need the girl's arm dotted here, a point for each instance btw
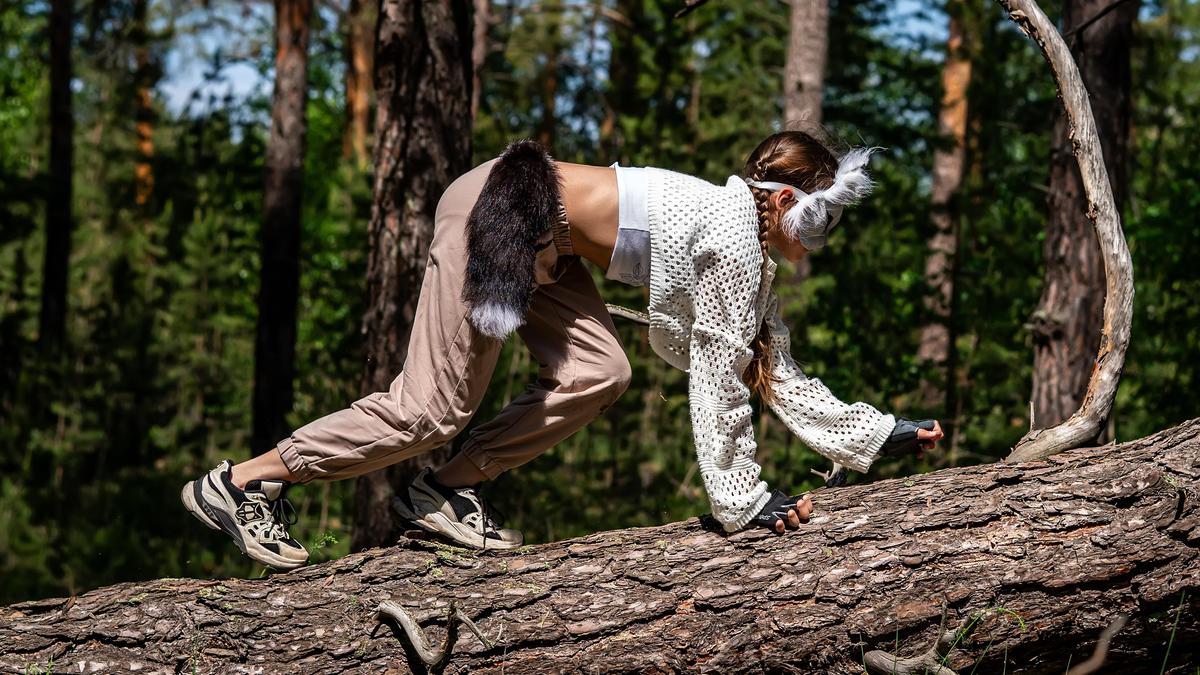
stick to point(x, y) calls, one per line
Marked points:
point(850, 435)
point(719, 401)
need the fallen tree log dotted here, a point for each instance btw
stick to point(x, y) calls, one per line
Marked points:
point(1037, 559)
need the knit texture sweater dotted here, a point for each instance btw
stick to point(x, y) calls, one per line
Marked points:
point(710, 288)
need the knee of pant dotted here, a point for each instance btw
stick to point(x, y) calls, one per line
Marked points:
point(611, 378)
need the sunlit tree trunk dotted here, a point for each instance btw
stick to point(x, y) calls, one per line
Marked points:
point(143, 171)
point(360, 55)
point(807, 50)
point(59, 223)
point(479, 51)
point(278, 297)
point(936, 348)
point(1067, 322)
point(549, 85)
point(423, 73)
point(804, 75)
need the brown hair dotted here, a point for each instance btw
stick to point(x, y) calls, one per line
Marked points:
point(796, 158)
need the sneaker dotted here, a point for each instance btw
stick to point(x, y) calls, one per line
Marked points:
point(459, 514)
point(255, 517)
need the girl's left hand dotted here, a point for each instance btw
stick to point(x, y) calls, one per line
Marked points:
point(928, 438)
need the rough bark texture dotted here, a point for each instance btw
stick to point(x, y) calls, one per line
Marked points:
point(804, 78)
point(279, 290)
point(807, 51)
point(1054, 549)
point(1068, 319)
point(1086, 422)
point(360, 56)
point(59, 222)
point(479, 51)
point(937, 340)
point(422, 143)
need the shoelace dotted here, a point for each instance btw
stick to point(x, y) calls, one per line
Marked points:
point(283, 513)
point(491, 516)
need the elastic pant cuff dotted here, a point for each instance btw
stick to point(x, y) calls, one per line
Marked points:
point(296, 464)
point(486, 464)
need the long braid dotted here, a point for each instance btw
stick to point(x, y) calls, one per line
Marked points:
point(758, 377)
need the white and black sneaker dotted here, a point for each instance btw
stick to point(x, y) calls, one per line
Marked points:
point(256, 518)
point(459, 514)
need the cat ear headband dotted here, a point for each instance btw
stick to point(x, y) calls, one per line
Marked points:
point(815, 214)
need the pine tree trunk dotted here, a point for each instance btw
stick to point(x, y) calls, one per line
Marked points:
point(360, 54)
point(936, 347)
point(804, 78)
point(807, 52)
point(1067, 322)
point(59, 221)
point(423, 142)
point(278, 296)
point(549, 85)
point(479, 51)
point(1046, 554)
point(143, 170)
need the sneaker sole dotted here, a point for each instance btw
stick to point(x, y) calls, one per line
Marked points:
point(458, 533)
point(203, 493)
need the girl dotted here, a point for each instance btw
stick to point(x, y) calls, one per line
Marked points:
point(506, 256)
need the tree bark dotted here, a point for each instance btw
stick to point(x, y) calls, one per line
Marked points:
point(423, 71)
point(1045, 555)
point(145, 76)
point(479, 51)
point(279, 292)
point(807, 52)
point(1068, 320)
point(548, 123)
point(936, 347)
point(804, 78)
point(360, 55)
point(59, 221)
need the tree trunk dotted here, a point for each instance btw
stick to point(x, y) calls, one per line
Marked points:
point(1046, 554)
point(1067, 321)
point(278, 296)
point(144, 77)
point(423, 142)
point(936, 347)
point(804, 78)
point(360, 54)
point(807, 50)
point(59, 222)
point(549, 86)
point(624, 107)
point(479, 51)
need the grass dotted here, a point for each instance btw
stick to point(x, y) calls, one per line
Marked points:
point(1174, 627)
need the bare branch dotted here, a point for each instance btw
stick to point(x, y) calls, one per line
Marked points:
point(1086, 423)
point(1101, 653)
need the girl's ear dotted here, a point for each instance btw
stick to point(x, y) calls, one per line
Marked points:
point(783, 199)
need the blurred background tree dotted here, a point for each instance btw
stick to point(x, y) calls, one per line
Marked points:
point(129, 300)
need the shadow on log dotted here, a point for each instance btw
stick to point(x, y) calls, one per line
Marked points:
point(1050, 553)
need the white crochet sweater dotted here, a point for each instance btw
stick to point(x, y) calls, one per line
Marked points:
point(709, 289)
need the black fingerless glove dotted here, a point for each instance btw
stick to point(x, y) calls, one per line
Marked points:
point(903, 440)
point(776, 509)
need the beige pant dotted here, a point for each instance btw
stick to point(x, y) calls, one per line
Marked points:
point(582, 367)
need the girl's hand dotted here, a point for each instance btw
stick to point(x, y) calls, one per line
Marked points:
point(928, 438)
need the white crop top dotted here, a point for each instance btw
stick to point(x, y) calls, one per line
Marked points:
point(630, 261)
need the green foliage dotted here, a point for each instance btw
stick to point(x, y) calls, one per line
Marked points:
point(155, 386)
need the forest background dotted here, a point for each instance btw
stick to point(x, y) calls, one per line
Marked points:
point(928, 302)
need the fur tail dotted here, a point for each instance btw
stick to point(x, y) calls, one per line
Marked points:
point(517, 206)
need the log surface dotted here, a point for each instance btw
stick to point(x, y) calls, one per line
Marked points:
point(1055, 549)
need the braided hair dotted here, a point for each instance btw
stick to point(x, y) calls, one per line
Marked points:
point(796, 158)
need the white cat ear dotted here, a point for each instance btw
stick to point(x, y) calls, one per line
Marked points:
point(851, 182)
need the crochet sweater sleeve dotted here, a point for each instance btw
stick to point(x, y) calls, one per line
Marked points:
point(725, 289)
point(850, 435)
